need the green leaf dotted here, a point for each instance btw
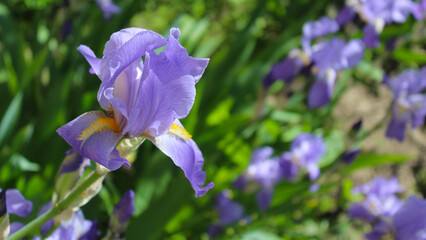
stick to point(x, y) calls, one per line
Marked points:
point(260, 235)
point(10, 118)
point(23, 164)
point(408, 56)
point(365, 160)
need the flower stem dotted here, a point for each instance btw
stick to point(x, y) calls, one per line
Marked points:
point(58, 208)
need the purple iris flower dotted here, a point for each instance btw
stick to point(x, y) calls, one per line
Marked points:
point(122, 212)
point(264, 170)
point(419, 10)
point(16, 203)
point(409, 104)
point(108, 8)
point(142, 99)
point(410, 220)
point(379, 205)
point(229, 212)
point(315, 29)
point(387, 10)
point(329, 57)
point(76, 228)
point(305, 152)
point(12, 202)
point(285, 70)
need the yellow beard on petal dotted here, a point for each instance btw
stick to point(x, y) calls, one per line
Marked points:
point(99, 125)
point(180, 131)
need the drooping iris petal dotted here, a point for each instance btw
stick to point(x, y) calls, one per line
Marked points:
point(94, 136)
point(288, 167)
point(229, 211)
point(410, 220)
point(264, 197)
point(320, 93)
point(17, 204)
point(371, 36)
point(186, 155)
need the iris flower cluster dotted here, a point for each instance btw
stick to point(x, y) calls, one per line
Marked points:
point(266, 171)
point(389, 215)
point(330, 55)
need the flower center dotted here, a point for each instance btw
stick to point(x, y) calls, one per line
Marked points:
point(99, 125)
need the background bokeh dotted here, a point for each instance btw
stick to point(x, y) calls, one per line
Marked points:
point(45, 83)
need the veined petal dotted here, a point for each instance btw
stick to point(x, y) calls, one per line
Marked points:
point(95, 136)
point(186, 155)
point(178, 54)
point(160, 100)
point(91, 58)
point(124, 48)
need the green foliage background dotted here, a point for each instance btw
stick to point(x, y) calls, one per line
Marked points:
point(44, 83)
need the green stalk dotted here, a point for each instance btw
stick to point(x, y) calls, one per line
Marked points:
point(58, 208)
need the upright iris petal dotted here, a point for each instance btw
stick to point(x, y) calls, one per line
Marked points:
point(388, 10)
point(316, 29)
point(286, 70)
point(142, 98)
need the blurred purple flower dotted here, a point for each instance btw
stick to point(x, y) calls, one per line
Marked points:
point(314, 188)
point(329, 57)
point(16, 203)
point(371, 36)
point(345, 15)
point(76, 228)
point(387, 10)
point(285, 70)
point(108, 8)
point(142, 99)
point(349, 156)
point(122, 213)
point(409, 104)
point(410, 220)
point(306, 151)
point(229, 212)
point(264, 170)
point(379, 205)
point(315, 29)
point(419, 10)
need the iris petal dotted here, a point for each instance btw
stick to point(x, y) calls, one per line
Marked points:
point(186, 155)
point(98, 145)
